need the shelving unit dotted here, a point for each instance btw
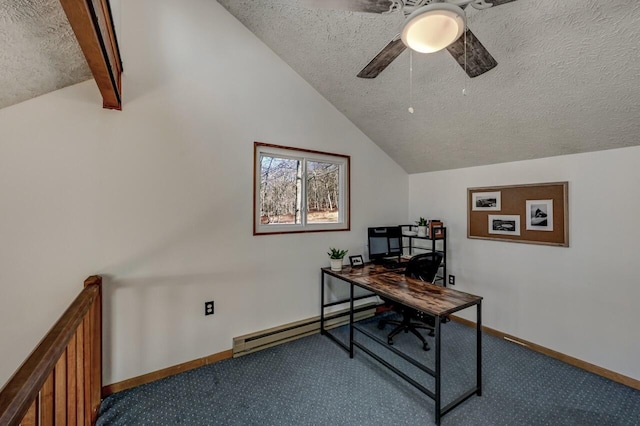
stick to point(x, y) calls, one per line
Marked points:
point(438, 244)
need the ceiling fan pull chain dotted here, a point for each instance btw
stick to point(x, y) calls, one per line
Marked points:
point(464, 86)
point(410, 81)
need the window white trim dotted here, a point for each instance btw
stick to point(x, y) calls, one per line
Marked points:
point(344, 200)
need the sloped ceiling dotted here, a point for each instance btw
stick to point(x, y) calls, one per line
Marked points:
point(567, 80)
point(38, 50)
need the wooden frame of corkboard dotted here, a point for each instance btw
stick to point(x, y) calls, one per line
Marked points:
point(512, 201)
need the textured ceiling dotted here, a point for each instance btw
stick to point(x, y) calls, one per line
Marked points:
point(38, 50)
point(567, 80)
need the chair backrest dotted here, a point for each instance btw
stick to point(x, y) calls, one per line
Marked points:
point(424, 266)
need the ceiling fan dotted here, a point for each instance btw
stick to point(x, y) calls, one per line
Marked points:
point(444, 22)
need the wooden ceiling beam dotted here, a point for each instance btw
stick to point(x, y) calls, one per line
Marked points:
point(92, 24)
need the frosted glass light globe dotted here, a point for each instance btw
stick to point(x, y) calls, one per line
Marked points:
point(433, 27)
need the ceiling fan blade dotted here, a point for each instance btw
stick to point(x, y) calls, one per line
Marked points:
point(499, 2)
point(368, 6)
point(479, 60)
point(382, 60)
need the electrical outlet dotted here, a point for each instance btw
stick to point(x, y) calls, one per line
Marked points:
point(208, 308)
point(452, 279)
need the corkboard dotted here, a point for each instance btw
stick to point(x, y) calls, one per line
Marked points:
point(512, 202)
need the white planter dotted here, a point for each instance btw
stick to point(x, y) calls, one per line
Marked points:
point(336, 264)
point(422, 231)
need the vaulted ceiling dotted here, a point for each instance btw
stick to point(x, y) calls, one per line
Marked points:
point(567, 80)
point(38, 50)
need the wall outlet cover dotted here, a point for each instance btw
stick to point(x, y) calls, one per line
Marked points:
point(208, 308)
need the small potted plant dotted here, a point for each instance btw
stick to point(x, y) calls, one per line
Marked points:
point(422, 227)
point(336, 257)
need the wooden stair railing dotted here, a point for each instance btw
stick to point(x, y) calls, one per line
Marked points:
point(60, 382)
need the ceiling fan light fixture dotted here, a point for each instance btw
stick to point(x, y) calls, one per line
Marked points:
point(433, 27)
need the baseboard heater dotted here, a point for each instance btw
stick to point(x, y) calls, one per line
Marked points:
point(243, 345)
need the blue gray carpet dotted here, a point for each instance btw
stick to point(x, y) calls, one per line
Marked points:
point(312, 381)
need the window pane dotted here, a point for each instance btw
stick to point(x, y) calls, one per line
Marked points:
point(299, 190)
point(279, 190)
point(323, 186)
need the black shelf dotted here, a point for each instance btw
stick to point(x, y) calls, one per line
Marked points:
point(422, 238)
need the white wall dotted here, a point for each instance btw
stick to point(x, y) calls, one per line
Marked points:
point(582, 300)
point(158, 198)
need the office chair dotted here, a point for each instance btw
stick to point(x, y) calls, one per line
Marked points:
point(423, 267)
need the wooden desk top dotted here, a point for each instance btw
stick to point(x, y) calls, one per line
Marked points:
point(416, 294)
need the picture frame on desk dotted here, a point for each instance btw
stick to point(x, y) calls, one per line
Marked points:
point(435, 229)
point(356, 261)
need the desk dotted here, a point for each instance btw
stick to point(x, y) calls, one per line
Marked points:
point(426, 297)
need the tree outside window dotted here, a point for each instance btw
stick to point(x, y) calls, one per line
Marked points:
point(300, 190)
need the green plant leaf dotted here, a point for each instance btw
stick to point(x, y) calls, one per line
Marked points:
point(337, 253)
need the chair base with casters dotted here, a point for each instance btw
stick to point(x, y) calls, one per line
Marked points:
point(407, 325)
point(423, 267)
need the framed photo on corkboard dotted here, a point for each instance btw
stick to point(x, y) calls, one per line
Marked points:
point(531, 213)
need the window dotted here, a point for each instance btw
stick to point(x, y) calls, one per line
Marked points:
point(298, 190)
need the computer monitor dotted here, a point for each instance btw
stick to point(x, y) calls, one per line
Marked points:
point(385, 241)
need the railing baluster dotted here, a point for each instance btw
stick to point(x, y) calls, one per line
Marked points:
point(71, 381)
point(86, 393)
point(96, 361)
point(80, 374)
point(30, 419)
point(60, 391)
point(46, 410)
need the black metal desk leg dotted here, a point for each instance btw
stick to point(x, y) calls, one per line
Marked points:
point(351, 322)
point(438, 382)
point(322, 303)
point(479, 348)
